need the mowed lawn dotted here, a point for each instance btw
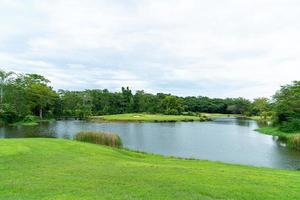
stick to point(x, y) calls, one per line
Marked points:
point(148, 117)
point(64, 169)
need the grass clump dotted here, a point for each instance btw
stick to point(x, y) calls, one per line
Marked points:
point(107, 139)
point(294, 141)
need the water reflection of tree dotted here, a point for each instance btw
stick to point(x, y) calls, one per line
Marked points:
point(242, 122)
point(262, 123)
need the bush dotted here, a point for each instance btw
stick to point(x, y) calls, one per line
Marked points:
point(8, 117)
point(290, 126)
point(30, 118)
point(171, 112)
point(2, 123)
point(107, 139)
point(189, 113)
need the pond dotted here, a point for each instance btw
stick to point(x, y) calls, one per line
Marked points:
point(229, 140)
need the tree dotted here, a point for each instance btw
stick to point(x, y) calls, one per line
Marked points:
point(5, 78)
point(287, 107)
point(262, 107)
point(127, 100)
point(40, 96)
point(238, 106)
point(172, 105)
point(43, 96)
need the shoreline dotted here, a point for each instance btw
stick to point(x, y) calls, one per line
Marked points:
point(292, 140)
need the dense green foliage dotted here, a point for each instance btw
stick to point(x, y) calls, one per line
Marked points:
point(23, 95)
point(65, 169)
point(108, 139)
point(103, 102)
point(286, 115)
point(287, 107)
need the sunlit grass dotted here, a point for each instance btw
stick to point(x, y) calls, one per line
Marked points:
point(138, 117)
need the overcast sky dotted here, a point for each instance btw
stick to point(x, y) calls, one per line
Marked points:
point(216, 48)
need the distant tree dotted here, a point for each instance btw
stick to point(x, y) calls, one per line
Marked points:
point(172, 105)
point(262, 107)
point(238, 106)
point(127, 100)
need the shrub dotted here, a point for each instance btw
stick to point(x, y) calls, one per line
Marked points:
point(107, 139)
point(292, 125)
point(171, 112)
point(30, 118)
point(2, 123)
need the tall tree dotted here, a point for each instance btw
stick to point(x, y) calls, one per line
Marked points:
point(40, 95)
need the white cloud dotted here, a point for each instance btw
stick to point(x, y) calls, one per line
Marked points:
point(249, 47)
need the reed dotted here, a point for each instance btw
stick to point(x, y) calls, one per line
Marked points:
point(108, 139)
point(294, 141)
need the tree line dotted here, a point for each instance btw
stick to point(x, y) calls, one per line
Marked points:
point(27, 95)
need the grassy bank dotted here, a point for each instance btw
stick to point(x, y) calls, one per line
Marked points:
point(273, 131)
point(256, 118)
point(220, 115)
point(22, 123)
point(138, 117)
point(64, 169)
point(291, 139)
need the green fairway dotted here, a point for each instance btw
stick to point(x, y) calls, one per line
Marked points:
point(65, 169)
point(138, 117)
point(220, 115)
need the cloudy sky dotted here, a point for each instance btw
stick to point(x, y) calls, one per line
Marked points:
point(217, 48)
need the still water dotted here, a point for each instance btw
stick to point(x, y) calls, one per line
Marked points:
point(228, 140)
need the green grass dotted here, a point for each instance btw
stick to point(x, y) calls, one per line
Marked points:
point(138, 117)
point(22, 123)
point(256, 118)
point(272, 131)
point(69, 170)
point(220, 115)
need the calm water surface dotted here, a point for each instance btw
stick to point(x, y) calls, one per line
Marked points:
point(228, 140)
